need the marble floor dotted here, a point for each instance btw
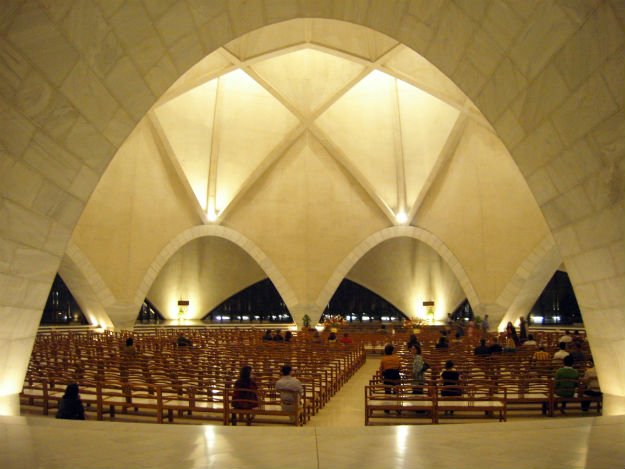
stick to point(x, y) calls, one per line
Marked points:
point(335, 438)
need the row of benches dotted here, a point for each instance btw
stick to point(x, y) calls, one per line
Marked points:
point(190, 380)
point(410, 403)
point(162, 404)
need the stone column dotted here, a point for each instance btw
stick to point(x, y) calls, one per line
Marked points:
point(300, 310)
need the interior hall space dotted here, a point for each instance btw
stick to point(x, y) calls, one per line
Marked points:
point(214, 169)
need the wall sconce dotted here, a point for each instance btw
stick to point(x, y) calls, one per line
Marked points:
point(430, 309)
point(183, 307)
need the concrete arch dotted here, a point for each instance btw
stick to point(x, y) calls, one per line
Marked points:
point(558, 108)
point(398, 232)
point(529, 281)
point(87, 286)
point(265, 263)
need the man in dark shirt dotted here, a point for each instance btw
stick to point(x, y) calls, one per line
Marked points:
point(495, 347)
point(482, 349)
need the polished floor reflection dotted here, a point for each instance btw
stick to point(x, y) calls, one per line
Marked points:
point(35, 442)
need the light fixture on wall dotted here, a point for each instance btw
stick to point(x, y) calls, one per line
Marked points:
point(401, 217)
point(429, 305)
point(183, 307)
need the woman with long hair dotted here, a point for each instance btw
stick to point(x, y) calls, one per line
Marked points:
point(245, 395)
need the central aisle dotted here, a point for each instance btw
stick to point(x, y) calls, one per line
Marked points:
point(347, 407)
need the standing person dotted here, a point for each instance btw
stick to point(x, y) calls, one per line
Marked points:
point(390, 367)
point(245, 394)
point(565, 381)
point(511, 333)
point(290, 389)
point(485, 325)
point(419, 367)
point(522, 330)
point(470, 329)
point(70, 406)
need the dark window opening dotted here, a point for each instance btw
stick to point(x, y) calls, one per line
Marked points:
point(557, 304)
point(356, 303)
point(463, 312)
point(149, 313)
point(61, 307)
point(258, 303)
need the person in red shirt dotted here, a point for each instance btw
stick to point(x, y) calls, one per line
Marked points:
point(346, 339)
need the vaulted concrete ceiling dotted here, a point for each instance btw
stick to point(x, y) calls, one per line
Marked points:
point(307, 139)
point(383, 112)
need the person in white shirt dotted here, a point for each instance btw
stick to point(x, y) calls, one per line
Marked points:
point(566, 338)
point(290, 389)
point(530, 341)
point(558, 357)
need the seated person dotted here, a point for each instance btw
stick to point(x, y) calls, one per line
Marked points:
point(346, 339)
point(278, 337)
point(267, 335)
point(390, 367)
point(70, 405)
point(577, 338)
point(558, 357)
point(565, 381)
point(541, 355)
point(129, 349)
point(245, 394)
point(481, 349)
point(566, 338)
point(495, 347)
point(530, 340)
point(509, 345)
point(182, 341)
point(332, 338)
point(577, 353)
point(412, 342)
point(288, 335)
point(316, 338)
point(290, 389)
point(442, 342)
point(451, 380)
point(591, 385)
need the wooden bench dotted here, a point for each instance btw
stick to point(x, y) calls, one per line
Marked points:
point(473, 398)
point(577, 397)
point(269, 408)
point(406, 402)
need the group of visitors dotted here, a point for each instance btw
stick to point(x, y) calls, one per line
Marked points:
point(276, 336)
point(245, 396)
